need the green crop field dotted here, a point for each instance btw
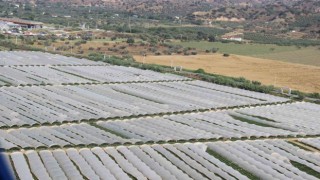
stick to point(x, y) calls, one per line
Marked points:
point(293, 54)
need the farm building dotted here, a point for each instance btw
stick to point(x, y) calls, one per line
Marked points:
point(22, 23)
point(8, 26)
point(232, 38)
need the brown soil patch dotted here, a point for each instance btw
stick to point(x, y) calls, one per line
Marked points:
point(281, 74)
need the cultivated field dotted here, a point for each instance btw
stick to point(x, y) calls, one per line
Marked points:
point(301, 55)
point(269, 72)
point(69, 118)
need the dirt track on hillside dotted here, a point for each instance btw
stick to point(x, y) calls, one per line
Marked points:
point(301, 77)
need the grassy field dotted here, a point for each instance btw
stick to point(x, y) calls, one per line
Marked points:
point(303, 55)
point(281, 74)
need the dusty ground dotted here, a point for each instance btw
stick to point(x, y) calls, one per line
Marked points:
point(281, 74)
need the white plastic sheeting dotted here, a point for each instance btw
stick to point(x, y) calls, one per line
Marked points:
point(67, 165)
point(110, 164)
point(313, 142)
point(36, 75)
point(21, 105)
point(38, 58)
point(174, 170)
point(269, 159)
point(119, 74)
point(301, 117)
point(36, 165)
point(21, 166)
point(193, 126)
point(204, 87)
point(82, 164)
point(141, 166)
point(96, 164)
point(125, 164)
point(155, 166)
point(59, 136)
point(52, 165)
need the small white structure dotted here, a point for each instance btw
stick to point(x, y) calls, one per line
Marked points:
point(178, 68)
point(286, 90)
point(233, 38)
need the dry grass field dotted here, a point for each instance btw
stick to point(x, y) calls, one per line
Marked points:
point(281, 74)
point(292, 54)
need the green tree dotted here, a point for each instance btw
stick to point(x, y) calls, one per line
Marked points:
point(130, 40)
point(211, 38)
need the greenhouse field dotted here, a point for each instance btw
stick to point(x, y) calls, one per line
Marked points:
point(269, 159)
point(41, 75)
point(84, 102)
point(68, 118)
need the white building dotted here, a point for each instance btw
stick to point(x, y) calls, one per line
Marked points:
point(7, 27)
point(232, 38)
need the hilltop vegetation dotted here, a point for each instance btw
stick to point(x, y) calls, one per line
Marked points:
point(282, 19)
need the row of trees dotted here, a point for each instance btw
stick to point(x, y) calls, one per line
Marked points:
point(270, 39)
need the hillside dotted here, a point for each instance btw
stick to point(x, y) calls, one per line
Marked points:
point(180, 7)
point(261, 15)
point(300, 15)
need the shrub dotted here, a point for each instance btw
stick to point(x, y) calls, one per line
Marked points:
point(123, 47)
point(153, 49)
point(130, 40)
point(214, 50)
point(71, 38)
point(315, 95)
point(194, 53)
point(77, 43)
point(200, 71)
point(256, 82)
point(226, 55)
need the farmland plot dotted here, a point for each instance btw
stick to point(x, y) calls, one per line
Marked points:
point(297, 117)
point(313, 142)
point(274, 159)
point(222, 124)
point(91, 120)
point(270, 159)
point(36, 75)
point(33, 75)
point(119, 74)
point(59, 136)
point(21, 105)
point(202, 126)
point(14, 58)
